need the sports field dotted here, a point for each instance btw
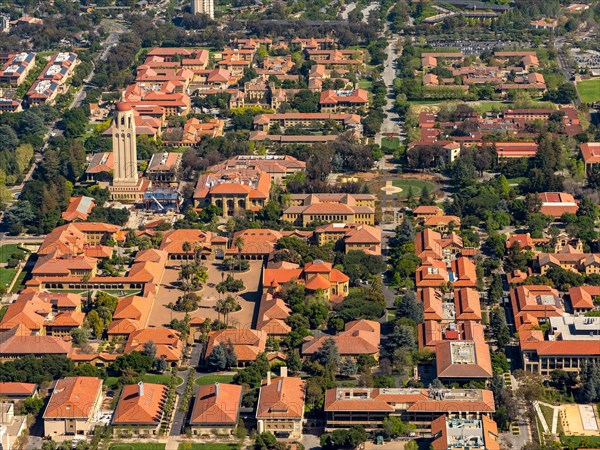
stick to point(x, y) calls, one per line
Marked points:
point(589, 90)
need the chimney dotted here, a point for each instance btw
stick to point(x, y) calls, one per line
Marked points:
point(141, 388)
point(283, 371)
point(216, 389)
point(268, 378)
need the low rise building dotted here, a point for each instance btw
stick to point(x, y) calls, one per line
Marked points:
point(359, 338)
point(15, 70)
point(556, 204)
point(272, 315)
point(571, 341)
point(317, 276)
point(463, 361)
point(280, 408)
point(13, 391)
point(590, 152)
point(453, 433)
point(277, 166)
point(163, 167)
point(308, 208)
point(247, 344)
point(79, 209)
point(216, 409)
point(73, 407)
point(233, 192)
point(140, 410)
point(369, 407)
point(334, 101)
point(354, 237)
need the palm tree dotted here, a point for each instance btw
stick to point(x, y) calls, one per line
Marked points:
point(186, 247)
point(239, 243)
point(230, 304)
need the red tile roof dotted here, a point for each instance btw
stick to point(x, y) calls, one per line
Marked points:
point(74, 397)
point(217, 404)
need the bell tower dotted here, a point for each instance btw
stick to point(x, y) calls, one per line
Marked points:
point(125, 171)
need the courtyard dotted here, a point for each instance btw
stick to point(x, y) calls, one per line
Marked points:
point(161, 314)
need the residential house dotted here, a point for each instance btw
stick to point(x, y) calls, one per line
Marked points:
point(15, 70)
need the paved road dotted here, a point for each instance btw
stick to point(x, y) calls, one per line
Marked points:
point(391, 119)
point(349, 8)
point(367, 11)
point(179, 418)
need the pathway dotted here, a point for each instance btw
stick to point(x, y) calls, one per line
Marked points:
point(349, 8)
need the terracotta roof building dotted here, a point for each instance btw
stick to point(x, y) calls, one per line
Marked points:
point(422, 213)
point(308, 208)
point(216, 407)
point(459, 433)
point(163, 167)
point(277, 166)
point(570, 341)
point(569, 258)
point(584, 298)
point(272, 314)
point(11, 391)
point(247, 343)
point(18, 342)
point(354, 237)
point(557, 203)
point(360, 337)
point(334, 101)
point(233, 192)
point(79, 209)
point(72, 408)
point(168, 343)
point(140, 410)
point(280, 407)
point(316, 276)
point(590, 152)
point(463, 360)
point(347, 407)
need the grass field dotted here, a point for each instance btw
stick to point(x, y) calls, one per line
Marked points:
point(19, 283)
point(417, 186)
point(137, 446)
point(365, 84)
point(193, 446)
point(547, 413)
point(210, 379)
point(390, 144)
point(148, 378)
point(6, 276)
point(7, 250)
point(589, 90)
point(580, 441)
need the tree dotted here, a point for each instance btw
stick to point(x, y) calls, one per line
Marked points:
point(238, 243)
point(405, 232)
point(394, 427)
point(217, 360)
point(150, 349)
point(226, 306)
point(32, 405)
point(408, 306)
point(138, 362)
point(348, 368)
point(403, 336)
point(328, 355)
point(499, 328)
point(344, 439)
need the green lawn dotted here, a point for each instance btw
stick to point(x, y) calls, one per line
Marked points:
point(547, 413)
point(7, 250)
point(137, 446)
point(111, 382)
point(390, 144)
point(365, 84)
point(580, 441)
point(3, 311)
point(589, 90)
point(19, 283)
point(210, 379)
point(417, 186)
point(192, 446)
point(6, 276)
point(121, 292)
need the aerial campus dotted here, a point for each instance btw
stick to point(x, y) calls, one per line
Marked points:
point(291, 225)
